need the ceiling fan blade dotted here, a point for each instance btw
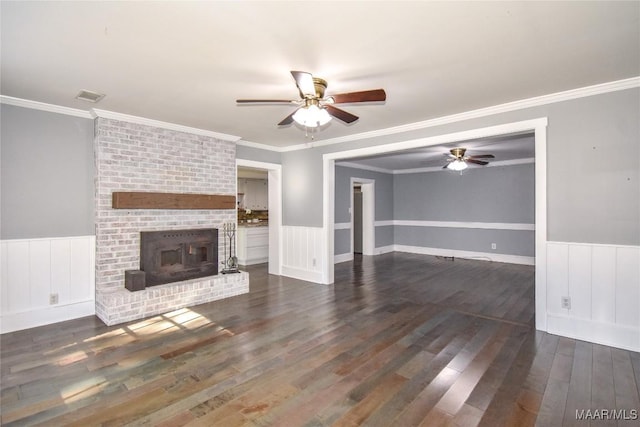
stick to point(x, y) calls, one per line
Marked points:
point(341, 114)
point(364, 96)
point(477, 162)
point(265, 101)
point(304, 81)
point(287, 120)
point(483, 156)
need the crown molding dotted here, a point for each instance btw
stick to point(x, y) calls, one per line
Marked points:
point(537, 101)
point(42, 106)
point(160, 124)
point(598, 89)
point(259, 145)
point(354, 165)
point(364, 167)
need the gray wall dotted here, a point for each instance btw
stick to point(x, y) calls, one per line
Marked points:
point(593, 164)
point(383, 193)
point(383, 206)
point(501, 194)
point(492, 194)
point(47, 174)
point(256, 154)
point(302, 188)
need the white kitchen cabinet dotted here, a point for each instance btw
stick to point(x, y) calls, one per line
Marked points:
point(253, 245)
point(255, 193)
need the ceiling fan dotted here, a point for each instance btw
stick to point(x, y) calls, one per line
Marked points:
point(314, 109)
point(457, 161)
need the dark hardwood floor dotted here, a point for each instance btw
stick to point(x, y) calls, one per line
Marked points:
point(399, 340)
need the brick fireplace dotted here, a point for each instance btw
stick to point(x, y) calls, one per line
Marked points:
point(134, 157)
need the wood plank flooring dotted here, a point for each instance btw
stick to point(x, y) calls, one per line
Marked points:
point(400, 339)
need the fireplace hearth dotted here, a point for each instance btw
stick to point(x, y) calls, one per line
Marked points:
point(176, 255)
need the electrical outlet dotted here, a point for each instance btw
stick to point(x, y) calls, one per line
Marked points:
point(314, 262)
point(493, 246)
point(565, 302)
point(53, 299)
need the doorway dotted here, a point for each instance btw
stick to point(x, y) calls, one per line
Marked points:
point(357, 219)
point(538, 126)
point(366, 216)
point(274, 197)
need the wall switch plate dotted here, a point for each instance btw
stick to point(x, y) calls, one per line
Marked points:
point(565, 302)
point(493, 246)
point(53, 299)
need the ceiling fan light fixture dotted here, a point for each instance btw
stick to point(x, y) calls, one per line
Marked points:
point(457, 165)
point(311, 116)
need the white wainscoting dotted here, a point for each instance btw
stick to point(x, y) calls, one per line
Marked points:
point(33, 269)
point(603, 283)
point(302, 253)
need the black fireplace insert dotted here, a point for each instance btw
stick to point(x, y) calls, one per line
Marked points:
point(176, 255)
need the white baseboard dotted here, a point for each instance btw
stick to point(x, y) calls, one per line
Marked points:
point(253, 261)
point(486, 256)
point(384, 249)
point(342, 258)
point(10, 322)
point(301, 274)
point(609, 334)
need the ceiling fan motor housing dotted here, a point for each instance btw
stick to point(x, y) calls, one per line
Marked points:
point(458, 152)
point(320, 85)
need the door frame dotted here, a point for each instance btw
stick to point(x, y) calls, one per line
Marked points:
point(368, 214)
point(537, 126)
point(274, 174)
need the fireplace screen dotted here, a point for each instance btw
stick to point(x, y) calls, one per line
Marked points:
point(176, 255)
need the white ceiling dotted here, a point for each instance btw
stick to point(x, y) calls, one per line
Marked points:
point(187, 62)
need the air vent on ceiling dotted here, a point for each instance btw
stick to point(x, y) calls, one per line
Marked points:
point(87, 95)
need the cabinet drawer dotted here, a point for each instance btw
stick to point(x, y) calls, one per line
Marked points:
point(257, 241)
point(254, 254)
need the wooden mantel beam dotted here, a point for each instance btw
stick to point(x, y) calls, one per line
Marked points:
point(144, 200)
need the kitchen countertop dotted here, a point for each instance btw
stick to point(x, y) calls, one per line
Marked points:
point(253, 224)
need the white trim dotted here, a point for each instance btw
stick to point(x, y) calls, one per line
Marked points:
point(42, 106)
point(259, 145)
point(385, 249)
point(540, 137)
point(482, 256)
point(603, 245)
point(538, 126)
point(36, 239)
point(497, 130)
point(368, 214)
point(364, 167)
point(445, 224)
point(302, 274)
point(461, 224)
point(354, 165)
point(274, 183)
point(16, 321)
point(160, 124)
point(328, 217)
point(384, 223)
point(343, 258)
point(610, 334)
point(568, 95)
point(45, 272)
